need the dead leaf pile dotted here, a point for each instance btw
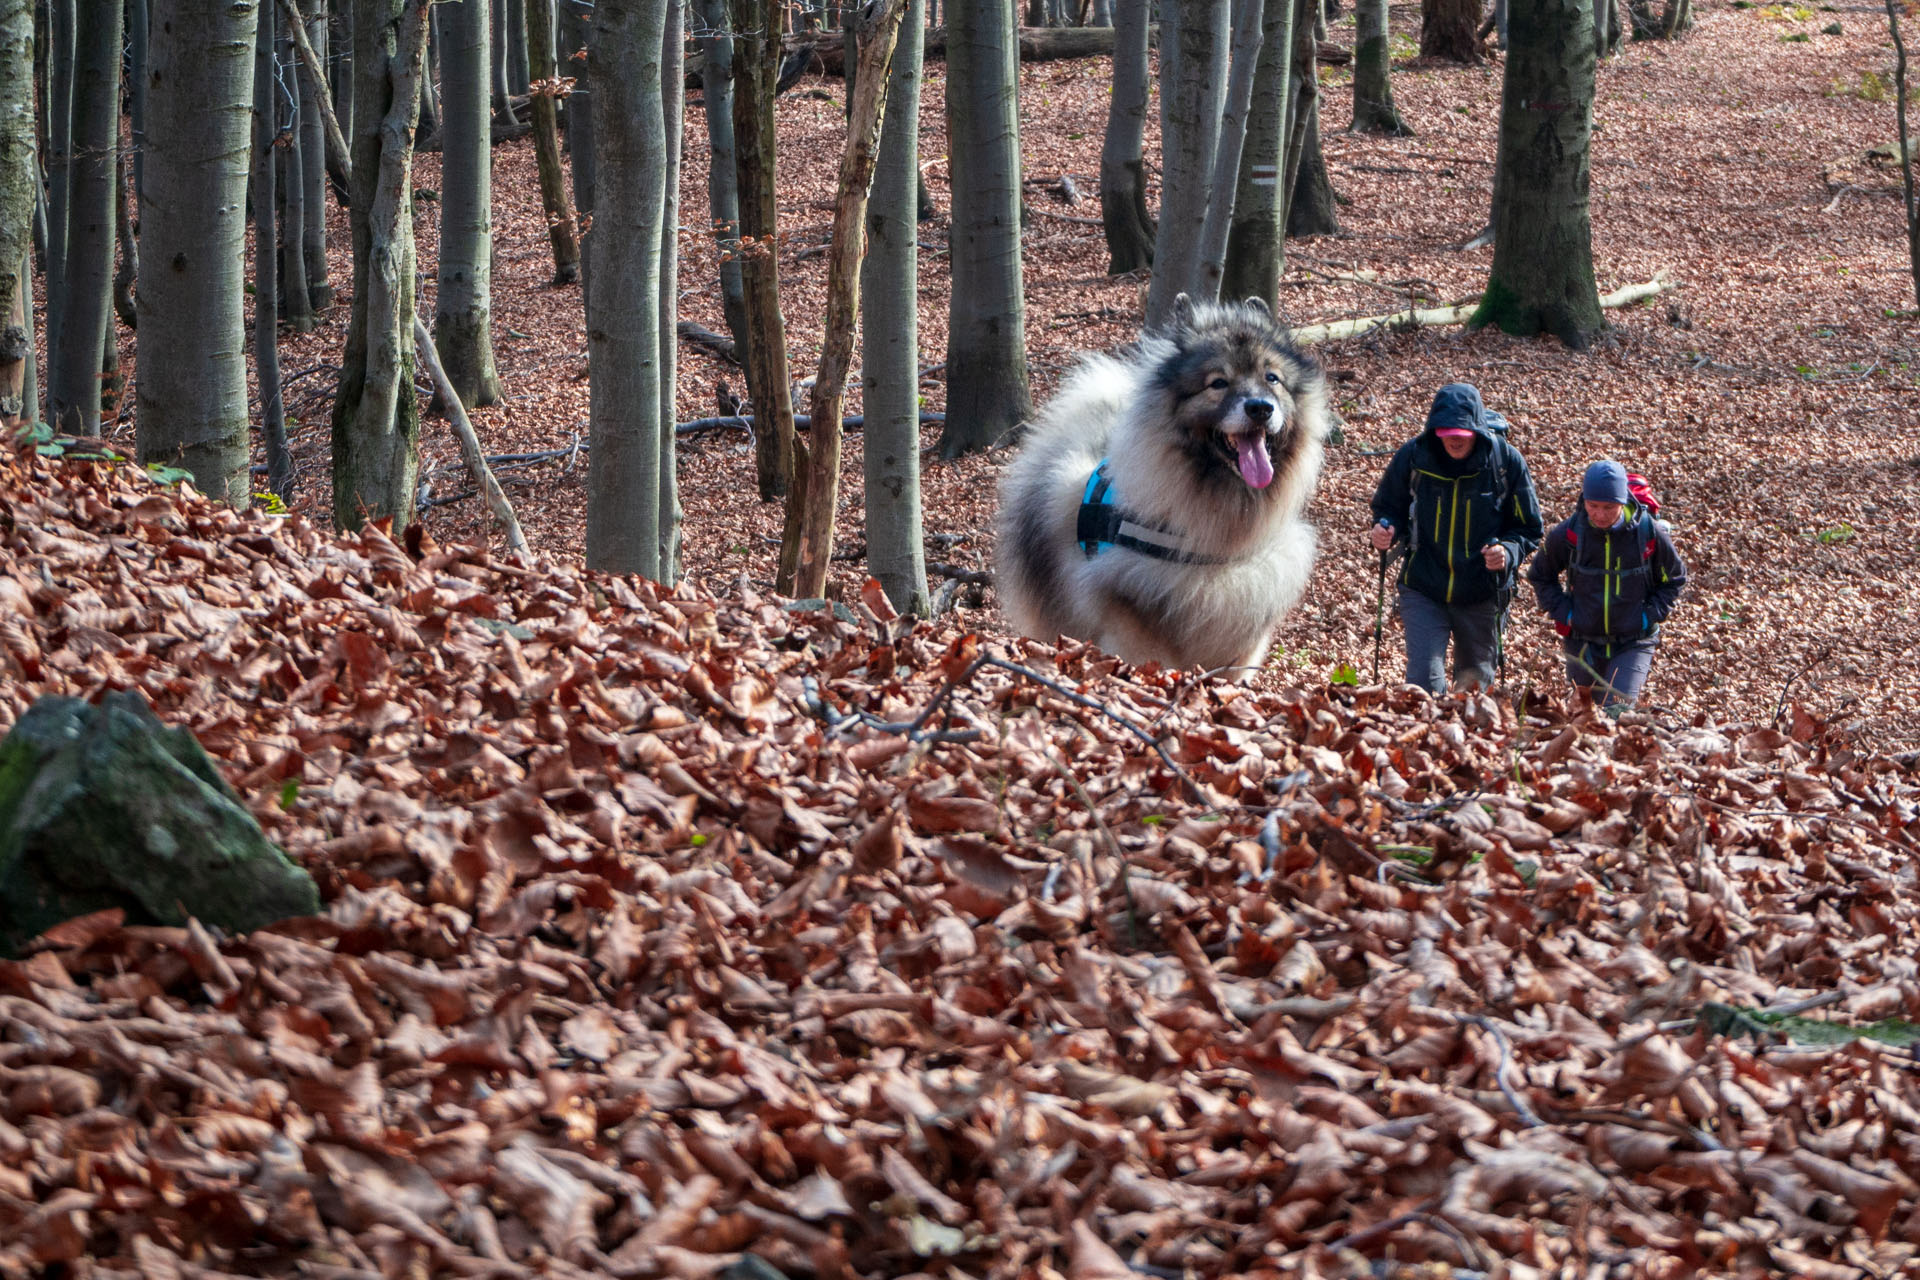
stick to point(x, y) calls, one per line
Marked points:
point(666, 931)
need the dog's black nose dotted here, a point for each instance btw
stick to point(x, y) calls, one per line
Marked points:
point(1259, 410)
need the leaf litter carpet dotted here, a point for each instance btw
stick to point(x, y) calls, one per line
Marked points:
point(685, 935)
point(665, 931)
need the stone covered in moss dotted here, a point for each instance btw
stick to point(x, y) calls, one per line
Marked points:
point(105, 806)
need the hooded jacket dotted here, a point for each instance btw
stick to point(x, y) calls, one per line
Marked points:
point(1448, 510)
point(1621, 583)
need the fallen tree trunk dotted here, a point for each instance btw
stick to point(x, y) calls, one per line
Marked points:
point(1430, 317)
point(483, 477)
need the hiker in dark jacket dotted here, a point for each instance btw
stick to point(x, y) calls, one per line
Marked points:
point(1622, 579)
point(1459, 496)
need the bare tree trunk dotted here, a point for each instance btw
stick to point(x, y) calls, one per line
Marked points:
point(514, 36)
point(470, 451)
point(623, 287)
point(562, 231)
point(756, 62)
point(1450, 30)
point(1373, 109)
point(128, 270)
point(890, 338)
point(266, 261)
point(821, 493)
point(137, 42)
point(1248, 27)
point(89, 269)
point(987, 389)
point(296, 298)
point(1193, 66)
point(58, 107)
point(191, 360)
point(1256, 246)
point(463, 302)
point(723, 174)
point(579, 60)
point(376, 417)
point(1312, 211)
point(497, 62)
point(339, 155)
point(1123, 168)
point(673, 102)
point(1542, 279)
point(19, 177)
point(1910, 205)
point(313, 163)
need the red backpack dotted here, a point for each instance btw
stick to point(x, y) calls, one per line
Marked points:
point(1641, 490)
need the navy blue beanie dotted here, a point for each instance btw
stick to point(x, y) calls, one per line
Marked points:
point(1605, 481)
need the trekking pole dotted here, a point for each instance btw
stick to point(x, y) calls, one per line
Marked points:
point(1380, 615)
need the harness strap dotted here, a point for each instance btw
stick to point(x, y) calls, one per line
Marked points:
point(1103, 523)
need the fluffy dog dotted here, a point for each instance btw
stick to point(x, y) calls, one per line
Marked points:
point(1155, 508)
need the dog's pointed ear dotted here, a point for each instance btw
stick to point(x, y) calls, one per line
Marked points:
point(1256, 303)
point(1182, 317)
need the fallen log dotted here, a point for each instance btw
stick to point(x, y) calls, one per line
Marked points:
point(1430, 317)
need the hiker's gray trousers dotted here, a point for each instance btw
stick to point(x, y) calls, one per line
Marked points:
point(1620, 670)
point(1430, 624)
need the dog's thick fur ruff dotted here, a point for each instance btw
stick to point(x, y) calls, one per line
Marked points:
point(1172, 418)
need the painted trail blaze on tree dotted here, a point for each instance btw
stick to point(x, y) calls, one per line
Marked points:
point(1542, 276)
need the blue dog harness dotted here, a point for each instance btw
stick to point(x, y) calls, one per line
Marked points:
point(1104, 523)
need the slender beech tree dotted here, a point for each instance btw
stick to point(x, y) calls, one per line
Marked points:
point(987, 390)
point(1373, 109)
point(502, 91)
point(756, 64)
point(514, 36)
point(1236, 107)
point(1193, 72)
point(268, 254)
point(314, 109)
point(546, 90)
point(816, 501)
point(191, 360)
point(57, 104)
point(578, 62)
point(376, 417)
point(623, 287)
point(19, 176)
point(1542, 280)
point(890, 337)
point(463, 303)
point(723, 174)
point(88, 312)
point(673, 100)
point(137, 15)
point(296, 298)
point(1310, 199)
point(1123, 166)
point(1909, 203)
point(1256, 247)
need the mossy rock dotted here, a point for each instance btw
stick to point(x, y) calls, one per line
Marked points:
point(105, 806)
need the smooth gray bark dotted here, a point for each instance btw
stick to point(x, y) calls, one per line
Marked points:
point(1542, 278)
point(673, 98)
point(295, 297)
point(1193, 71)
point(580, 150)
point(1373, 109)
point(1256, 245)
point(563, 232)
point(18, 180)
point(191, 360)
point(463, 302)
point(502, 92)
point(137, 15)
point(376, 417)
point(723, 177)
point(514, 36)
point(1310, 201)
point(313, 168)
point(890, 337)
point(1123, 168)
point(987, 389)
point(267, 256)
point(623, 296)
point(90, 234)
point(57, 105)
point(1248, 26)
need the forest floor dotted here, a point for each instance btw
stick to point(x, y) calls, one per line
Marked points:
point(1771, 398)
point(690, 935)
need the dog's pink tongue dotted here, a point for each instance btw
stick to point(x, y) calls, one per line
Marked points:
point(1256, 468)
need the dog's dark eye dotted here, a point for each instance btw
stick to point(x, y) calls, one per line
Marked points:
point(1218, 384)
point(1274, 378)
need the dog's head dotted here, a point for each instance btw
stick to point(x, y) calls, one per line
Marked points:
point(1244, 400)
